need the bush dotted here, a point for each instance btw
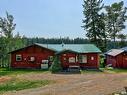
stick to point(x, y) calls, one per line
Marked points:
point(102, 62)
point(56, 65)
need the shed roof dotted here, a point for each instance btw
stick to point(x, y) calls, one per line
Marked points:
point(80, 48)
point(114, 52)
point(124, 48)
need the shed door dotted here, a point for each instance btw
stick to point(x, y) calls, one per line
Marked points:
point(125, 61)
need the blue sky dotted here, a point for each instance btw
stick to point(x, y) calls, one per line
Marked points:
point(47, 18)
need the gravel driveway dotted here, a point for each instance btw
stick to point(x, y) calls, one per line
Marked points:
point(76, 84)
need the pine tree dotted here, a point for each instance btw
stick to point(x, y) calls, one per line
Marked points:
point(56, 65)
point(122, 38)
point(93, 21)
point(115, 18)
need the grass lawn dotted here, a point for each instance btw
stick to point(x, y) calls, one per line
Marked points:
point(104, 70)
point(111, 70)
point(119, 70)
point(18, 84)
point(15, 84)
point(6, 71)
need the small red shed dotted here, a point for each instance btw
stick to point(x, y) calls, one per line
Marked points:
point(117, 58)
point(36, 55)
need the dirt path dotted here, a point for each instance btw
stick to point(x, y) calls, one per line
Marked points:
point(76, 84)
point(4, 78)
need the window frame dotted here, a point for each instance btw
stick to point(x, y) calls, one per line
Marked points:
point(18, 56)
point(51, 58)
point(92, 58)
point(70, 58)
point(80, 59)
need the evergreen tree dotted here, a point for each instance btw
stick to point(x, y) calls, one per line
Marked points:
point(115, 18)
point(56, 65)
point(122, 38)
point(93, 21)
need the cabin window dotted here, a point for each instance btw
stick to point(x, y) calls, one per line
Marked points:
point(72, 60)
point(92, 58)
point(82, 59)
point(18, 57)
point(50, 58)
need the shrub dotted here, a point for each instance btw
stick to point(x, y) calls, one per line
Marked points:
point(102, 62)
point(56, 65)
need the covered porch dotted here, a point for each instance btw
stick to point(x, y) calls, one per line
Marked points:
point(71, 59)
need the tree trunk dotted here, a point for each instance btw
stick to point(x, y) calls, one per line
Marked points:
point(114, 41)
point(105, 44)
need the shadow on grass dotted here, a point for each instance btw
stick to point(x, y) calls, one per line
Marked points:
point(67, 72)
point(82, 71)
point(91, 71)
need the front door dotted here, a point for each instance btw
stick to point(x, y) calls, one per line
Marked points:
point(64, 60)
point(69, 59)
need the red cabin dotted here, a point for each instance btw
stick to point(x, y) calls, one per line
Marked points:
point(37, 55)
point(117, 58)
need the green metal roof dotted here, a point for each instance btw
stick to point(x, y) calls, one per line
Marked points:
point(80, 48)
point(65, 50)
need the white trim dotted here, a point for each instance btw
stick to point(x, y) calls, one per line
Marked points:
point(83, 59)
point(18, 56)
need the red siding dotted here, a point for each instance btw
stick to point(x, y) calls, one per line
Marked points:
point(42, 54)
point(111, 60)
point(90, 63)
point(119, 61)
point(36, 51)
point(65, 63)
point(125, 60)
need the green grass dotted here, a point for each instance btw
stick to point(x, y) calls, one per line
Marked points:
point(15, 84)
point(118, 70)
point(6, 71)
point(105, 70)
point(18, 84)
point(112, 70)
